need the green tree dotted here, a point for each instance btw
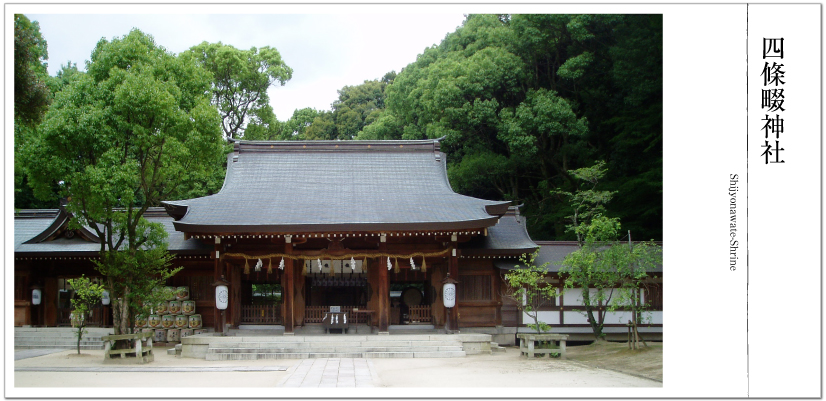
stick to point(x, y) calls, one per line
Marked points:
point(137, 128)
point(241, 79)
point(31, 94)
point(608, 273)
point(87, 295)
point(528, 287)
point(541, 95)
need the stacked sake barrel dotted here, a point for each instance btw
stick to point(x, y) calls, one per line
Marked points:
point(173, 318)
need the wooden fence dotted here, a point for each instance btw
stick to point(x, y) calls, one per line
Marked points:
point(261, 314)
point(314, 314)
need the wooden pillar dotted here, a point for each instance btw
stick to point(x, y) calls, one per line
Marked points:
point(299, 302)
point(235, 297)
point(383, 291)
point(216, 317)
point(453, 269)
point(49, 303)
point(288, 286)
point(437, 274)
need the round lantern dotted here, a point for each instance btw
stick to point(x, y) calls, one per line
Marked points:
point(449, 295)
point(105, 298)
point(36, 298)
point(221, 296)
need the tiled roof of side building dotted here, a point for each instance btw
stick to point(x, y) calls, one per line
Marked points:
point(508, 237)
point(317, 186)
point(553, 252)
point(29, 225)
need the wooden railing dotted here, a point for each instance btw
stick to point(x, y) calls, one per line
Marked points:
point(261, 314)
point(314, 314)
point(419, 314)
point(95, 318)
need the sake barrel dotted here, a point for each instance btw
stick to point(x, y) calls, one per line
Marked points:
point(198, 331)
point(140, 321)
point(174, 307)
point(168, 321)
point(160, 335)
point(154, 321)
point(148, 330)
point(186, 333)
point(182, 293)
point(195, 321)
point(169, 293)
point(181, 321)
point(188, 307)
point(161, 308)
point(173, 335)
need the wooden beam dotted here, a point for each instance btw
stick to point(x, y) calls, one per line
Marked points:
point(383, 292)
point(288, 286)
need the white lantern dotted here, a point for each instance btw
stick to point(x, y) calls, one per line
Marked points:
point(221, 296)
point(105, 298)
point(449, 294)
point(36, 296)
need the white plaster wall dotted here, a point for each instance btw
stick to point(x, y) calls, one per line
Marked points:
point(572, 297)
point(617, 317)
point(656, 317)
point(549, 317)
point(574, 317)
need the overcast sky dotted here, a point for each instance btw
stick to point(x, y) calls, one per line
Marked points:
point(326, 52)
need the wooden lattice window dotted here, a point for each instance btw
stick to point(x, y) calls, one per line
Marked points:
point(474, 288)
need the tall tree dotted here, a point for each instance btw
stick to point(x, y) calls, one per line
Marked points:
point(137, 128)
point(31, 94)
point(241, 79)
point(538, 96)
point(608, 273)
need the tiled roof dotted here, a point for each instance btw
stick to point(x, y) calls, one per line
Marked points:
point(508, 236)
point(30, 224)
point(552, 252)
point(318, 186)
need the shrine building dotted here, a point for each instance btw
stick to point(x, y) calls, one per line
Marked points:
point(372, 228)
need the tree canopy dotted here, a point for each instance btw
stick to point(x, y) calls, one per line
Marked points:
point(524, 99)
point(135, 129)
point(241, 79)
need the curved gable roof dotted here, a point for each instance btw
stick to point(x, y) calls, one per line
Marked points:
point(318, 186)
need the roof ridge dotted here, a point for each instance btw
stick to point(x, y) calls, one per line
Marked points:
point(427, 145)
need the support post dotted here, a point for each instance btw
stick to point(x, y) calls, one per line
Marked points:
point(288, 286)
point(383, 292)
point(216, 314)
point(453, 269)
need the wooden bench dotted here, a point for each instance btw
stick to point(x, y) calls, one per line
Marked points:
point(528, 340)
point(143, 354)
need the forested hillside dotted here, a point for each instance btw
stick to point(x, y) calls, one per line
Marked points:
point(520, 100)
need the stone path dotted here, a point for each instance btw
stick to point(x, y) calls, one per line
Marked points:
point(31, 353)
point(333, 372)
point(155, 369)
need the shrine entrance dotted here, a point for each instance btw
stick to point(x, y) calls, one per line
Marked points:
point(261, 299)
point(335, 283)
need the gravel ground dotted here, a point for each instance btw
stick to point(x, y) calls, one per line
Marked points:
point(595, 366)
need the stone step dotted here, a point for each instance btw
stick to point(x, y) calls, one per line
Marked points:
point(310, 344)
point(18, 344)
point(346, 349)
point(306, 355)
point(59, 346)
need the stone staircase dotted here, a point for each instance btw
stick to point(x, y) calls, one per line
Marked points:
point(336, 346)
point(58, 338)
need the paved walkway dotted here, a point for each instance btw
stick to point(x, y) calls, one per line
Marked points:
point(31, 353)
point(333, 372)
